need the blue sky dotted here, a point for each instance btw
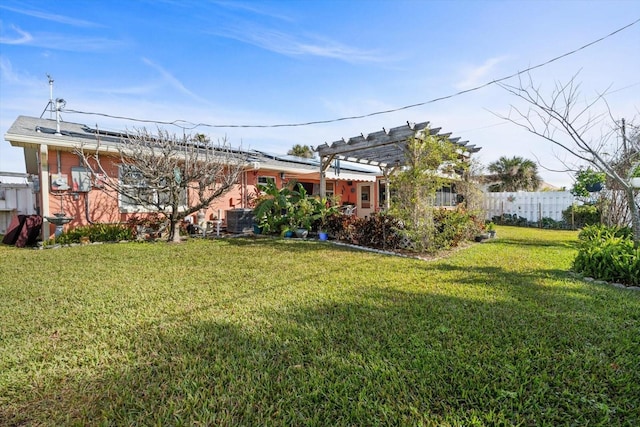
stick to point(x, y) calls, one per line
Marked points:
point(269, 63)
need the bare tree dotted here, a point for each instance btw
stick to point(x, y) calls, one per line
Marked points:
point(173, 176)
point(614, 204)
point(562, 119)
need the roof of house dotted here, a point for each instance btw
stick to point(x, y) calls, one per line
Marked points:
point(29, 132)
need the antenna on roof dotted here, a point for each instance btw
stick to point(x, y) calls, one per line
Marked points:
point(50, 106)
point(60, 103)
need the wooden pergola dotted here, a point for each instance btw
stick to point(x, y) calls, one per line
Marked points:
point(386, 149)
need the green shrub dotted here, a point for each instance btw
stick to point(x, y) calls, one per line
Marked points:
point(96, 233)
point(608, 253)
point(378, 231)
point(598, 232)
point(285, 209)
point(150, 223)
point(549, 223)
point(340, 226)
point(453, 227)
point(581, 215)
point(381, 230)
point(511, 219)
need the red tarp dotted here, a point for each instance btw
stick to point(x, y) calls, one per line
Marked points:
point(14, 229)
point(23, 231)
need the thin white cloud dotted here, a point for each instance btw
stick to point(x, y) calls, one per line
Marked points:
point(173, 81)
point(286, 44)
point(251, 8)
point(15, 81)
point(52, 17)
point(75, 43)
point(60, 42)
point(130, 90)
point(474, 76)
point(19, 37)
point(6, 71)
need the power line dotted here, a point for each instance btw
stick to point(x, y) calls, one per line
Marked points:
point(191, 125)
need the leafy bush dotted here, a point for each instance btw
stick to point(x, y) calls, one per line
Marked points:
point(453, 227)
point(151, 224)
point(382, 230)
point(602, 232)
point(341, 227)
point(608, 253)
point(511, 219)
point(96, 233)
point(581, 215)
point(281, 209)
point(378, 231)
point(520, 221)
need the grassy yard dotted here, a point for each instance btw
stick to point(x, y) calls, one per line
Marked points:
point(273, 332)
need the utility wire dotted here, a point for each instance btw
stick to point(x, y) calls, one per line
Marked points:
point(190, 125)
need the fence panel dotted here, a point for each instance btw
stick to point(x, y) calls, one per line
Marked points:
point(531, 205)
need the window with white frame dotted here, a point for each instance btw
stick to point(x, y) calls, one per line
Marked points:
point(265, 180)
point(446, 196)
point(140, 197)
point(329, 189)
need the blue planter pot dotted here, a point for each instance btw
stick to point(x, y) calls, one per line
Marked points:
point(594, 188)
point(323, 236)
point(257, 229)
point(288, 234)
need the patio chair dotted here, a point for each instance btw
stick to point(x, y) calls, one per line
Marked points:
point(349, 210)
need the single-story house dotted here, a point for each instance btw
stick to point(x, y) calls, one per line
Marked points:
point(62, 184)
point(354, 170)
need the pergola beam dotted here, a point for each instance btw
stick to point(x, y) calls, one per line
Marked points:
point(385, 148)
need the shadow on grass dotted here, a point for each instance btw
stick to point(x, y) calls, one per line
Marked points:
point(384, 357)
point(540, 243)
point(506, 349)
point(290, 245)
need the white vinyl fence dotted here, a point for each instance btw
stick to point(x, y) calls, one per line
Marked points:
point(15, 198)
point(531, 205)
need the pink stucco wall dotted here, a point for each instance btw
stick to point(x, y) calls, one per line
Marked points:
point(100, 205)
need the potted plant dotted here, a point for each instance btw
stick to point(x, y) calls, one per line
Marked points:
point(491, 229)
point(324, 209)
point(301, 217)
point(588, 181)
point(286, 231)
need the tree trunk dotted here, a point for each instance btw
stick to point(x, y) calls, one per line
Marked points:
point(174, 235)
point(174, 230)
point(635, 216)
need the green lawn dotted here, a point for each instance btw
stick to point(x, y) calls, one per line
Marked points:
point(273, 332)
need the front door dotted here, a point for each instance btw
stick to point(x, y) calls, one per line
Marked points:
point(365, 199)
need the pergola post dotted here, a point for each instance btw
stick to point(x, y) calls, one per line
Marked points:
point(387, 190)
point(387, 172)
point(385, 149)
point(325, 162)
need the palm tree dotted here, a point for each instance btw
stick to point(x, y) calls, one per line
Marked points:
point(301, 151)
point(514, 174)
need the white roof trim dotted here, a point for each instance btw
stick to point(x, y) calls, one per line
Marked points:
point(348, 176)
